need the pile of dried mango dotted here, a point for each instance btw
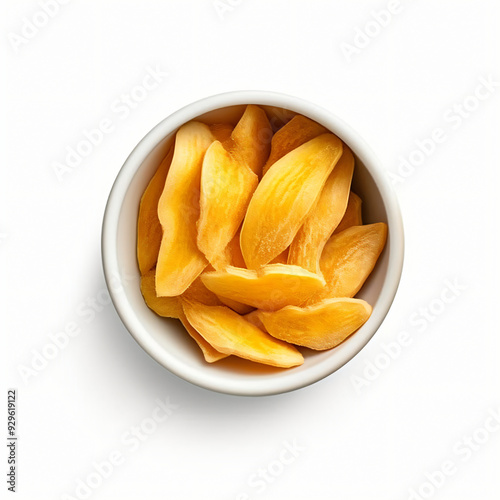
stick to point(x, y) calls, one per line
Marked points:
point(256, 244)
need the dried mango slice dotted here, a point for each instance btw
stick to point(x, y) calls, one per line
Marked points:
point(149, 230)
point(348, 259)
point(234, 250)
point(231, 256)
point(236, 306)
point(296, 132)
point(171, 307)
point(282, 258)
point(320, 326)
point(226, 189)
point(168, 307)
point(179, 260)
point(229, 333)
point(250, 140)
point(352, 216)
point(278, 117)
point(198, 292)
point(253, 317)
point(227, 258)
point(324, 217)
point(221, 131)
point(271, 287)
point(210, 354)
point(284, 197)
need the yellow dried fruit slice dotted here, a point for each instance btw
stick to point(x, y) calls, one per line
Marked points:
point(171, 307)
point(231, 256)
point(352, 216)
point(229, 333)
point(282, 258)
point(296, 132)
point(253, 317)
point(210, 354)
point(234, 250)
point(149, 230)
point(226, 189)
point(221, 131)
point(278, 117)
point(271, 287)
point(198, 292)
point(324, 217)
point(284, 197)
point(168, 307)
point(180, 261)
point(236, 306)
point(250, 140)
point(320, 326)
point(348, 259)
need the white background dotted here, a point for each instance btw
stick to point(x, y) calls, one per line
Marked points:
point(372, 441)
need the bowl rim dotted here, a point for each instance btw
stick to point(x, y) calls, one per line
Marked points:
point(261, 385)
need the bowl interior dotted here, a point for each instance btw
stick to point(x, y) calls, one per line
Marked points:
point(168, 342)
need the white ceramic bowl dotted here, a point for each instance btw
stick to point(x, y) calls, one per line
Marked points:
point(164, 339)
